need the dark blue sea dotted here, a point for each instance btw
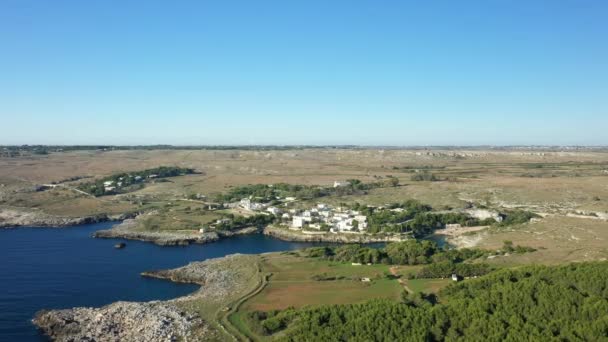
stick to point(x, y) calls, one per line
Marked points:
point(53, 268)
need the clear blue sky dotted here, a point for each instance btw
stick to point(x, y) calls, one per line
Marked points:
point(304, 72)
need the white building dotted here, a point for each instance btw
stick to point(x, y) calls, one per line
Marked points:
point(309, 213)
point(326, 214)
point(345, 225)
point(245, 203)
point(338, 184)
point(341, 216)
point(274, 210)
point(297, 222)
point(258, 206)
point(314, 226)
point(362, 220)
point(108, 183)
point(482, 214)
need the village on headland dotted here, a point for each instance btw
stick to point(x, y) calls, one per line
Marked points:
point(320, 219)
point(297, 212)
point(401, 220)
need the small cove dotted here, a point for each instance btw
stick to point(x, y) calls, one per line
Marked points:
point(54, 268)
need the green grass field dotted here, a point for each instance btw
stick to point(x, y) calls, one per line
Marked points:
point(292, 283)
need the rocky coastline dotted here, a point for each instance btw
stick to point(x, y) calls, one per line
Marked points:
point(290, 235)
point(128, 229)
point(13, 218)
point(120, 321)
point(157, 320)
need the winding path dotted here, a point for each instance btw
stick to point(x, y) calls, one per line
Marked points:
point(393, 271)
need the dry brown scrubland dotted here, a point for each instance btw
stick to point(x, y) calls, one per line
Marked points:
point(554, 184)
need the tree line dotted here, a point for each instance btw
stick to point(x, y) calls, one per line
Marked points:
point(409, 252)
point(130, 181)
point(271, 193)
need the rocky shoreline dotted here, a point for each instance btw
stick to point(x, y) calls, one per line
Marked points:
point(157, 320)
point(120, 321)
point(12, 218)
point(289, 235)
point(128, 230)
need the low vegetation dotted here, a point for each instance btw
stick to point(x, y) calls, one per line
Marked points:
point(411, 216)
point(516, 217)
point(231, 222)
point(424, 176)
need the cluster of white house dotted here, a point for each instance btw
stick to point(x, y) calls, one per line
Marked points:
point(248, 204)
point(321, 216)
point(344, 221)
point(111, 185)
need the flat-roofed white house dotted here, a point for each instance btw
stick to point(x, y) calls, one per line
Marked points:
point(362, 221)
point(325, 214)
point(297, 222)
point(245, 203)
point(345, 225)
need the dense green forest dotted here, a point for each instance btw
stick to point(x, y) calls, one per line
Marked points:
point(130, 181)
point(532, 303)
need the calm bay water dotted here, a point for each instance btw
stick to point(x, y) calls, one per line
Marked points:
point(57, 268)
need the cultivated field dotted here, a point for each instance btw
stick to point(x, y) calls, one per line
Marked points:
point(292, 283)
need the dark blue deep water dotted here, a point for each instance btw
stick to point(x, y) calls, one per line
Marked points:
point(56, 268)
